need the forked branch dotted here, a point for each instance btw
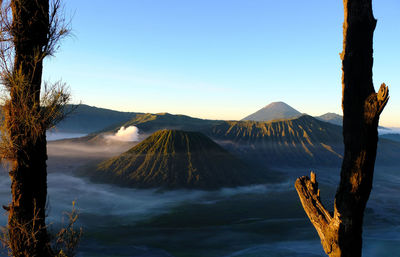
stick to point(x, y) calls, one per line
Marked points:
point(309, 194)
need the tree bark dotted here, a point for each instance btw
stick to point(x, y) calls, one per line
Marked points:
point(341, 231)
point(27, 228)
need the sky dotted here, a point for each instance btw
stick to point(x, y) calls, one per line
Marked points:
point(217, 59)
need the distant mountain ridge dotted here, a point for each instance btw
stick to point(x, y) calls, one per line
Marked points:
point(304, 141)
point(88, 119)
point(331, 118)
point(335, 118)
point(273, 111)
point(152, 122)
point(176, 159)
point(148, 123)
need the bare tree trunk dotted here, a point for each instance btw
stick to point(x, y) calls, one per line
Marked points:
point(27, 227)
point(341, 232)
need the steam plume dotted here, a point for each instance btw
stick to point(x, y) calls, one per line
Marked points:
point(128, 134)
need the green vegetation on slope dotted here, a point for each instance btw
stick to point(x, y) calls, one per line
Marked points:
point(176, 159)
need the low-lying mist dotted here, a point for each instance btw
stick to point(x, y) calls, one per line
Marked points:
point(53, 135)
point(388, 130)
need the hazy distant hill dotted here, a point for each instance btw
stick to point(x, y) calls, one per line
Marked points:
point(331, 118)
point(176, 159)
point(334, 119)
point(88, 119)
point(274, 111)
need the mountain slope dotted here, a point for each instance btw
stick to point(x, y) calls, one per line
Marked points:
point(89, 119)
point(148, 123)
point(176, 159)
point(152, 122)
point(274, 111)
point(300, 141)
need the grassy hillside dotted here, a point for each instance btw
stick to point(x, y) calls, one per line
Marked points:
point(176, 159)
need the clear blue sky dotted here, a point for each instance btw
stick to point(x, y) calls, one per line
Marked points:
point(217, 59)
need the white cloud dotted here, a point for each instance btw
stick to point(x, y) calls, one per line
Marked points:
point(128, 134)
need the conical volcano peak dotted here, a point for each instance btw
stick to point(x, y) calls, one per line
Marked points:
point(176, 159)
point(274, 111)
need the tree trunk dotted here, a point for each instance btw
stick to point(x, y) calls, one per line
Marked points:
point(341, 233)
point(27, 227)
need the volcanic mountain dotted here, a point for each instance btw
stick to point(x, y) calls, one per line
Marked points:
point(176, 159)
point(301, 141)
point(274, 111)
